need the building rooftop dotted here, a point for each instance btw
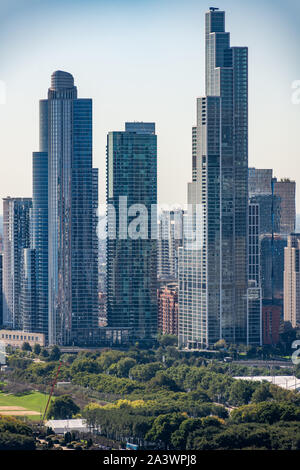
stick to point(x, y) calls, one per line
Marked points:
point(289, 382)
point(61, 80)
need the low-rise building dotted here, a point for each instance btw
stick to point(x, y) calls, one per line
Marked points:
point(16, 338)
point(61, 426)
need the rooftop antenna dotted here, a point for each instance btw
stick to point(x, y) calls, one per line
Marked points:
point(214, 8)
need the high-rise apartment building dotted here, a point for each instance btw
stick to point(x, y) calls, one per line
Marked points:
point(1, 289)
point(39, 315)
point(132, 230)
point(66, 142)
point(254, 294)
point(28, 291)
point(272, 266)
point(170, 232)
point(16, 237)
point(271, 323)
point(292, 280)
point(168, 309)
point(260, 181)
point(213, 278)
point(286, 190)
point(261, 191)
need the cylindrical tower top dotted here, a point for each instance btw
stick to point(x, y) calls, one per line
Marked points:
point(61, 80)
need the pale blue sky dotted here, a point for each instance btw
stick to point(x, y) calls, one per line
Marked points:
point(144, 60)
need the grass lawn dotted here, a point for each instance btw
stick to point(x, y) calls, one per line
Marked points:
point(34, 401)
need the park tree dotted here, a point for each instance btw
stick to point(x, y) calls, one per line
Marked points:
point(85, 365)
point(37, 349)
point(167, 340)
point(122, 367)
point(44, 353)
point(262, 393)
point(221, 344)
point(241, 392)
point(62, 407)
point(162, 380)
point(145, 372)
point(54, 354)
point(26, 346)
point(163, 427)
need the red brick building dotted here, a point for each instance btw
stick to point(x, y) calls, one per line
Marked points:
point(167, 297)
point(271, 322)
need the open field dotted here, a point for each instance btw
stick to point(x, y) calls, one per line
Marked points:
point(31, 404)
point(19, 413)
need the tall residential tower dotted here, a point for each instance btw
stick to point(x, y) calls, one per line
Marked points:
point(213, 278)
point(66, 141)
point(132, 230)
point(16, 237)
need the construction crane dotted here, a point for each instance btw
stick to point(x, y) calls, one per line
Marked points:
point(52, 388)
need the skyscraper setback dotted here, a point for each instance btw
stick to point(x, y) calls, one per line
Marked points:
point(213, 278)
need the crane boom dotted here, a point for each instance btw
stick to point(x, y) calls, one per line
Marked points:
point(52, 388)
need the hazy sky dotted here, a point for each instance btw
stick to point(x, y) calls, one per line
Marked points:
point(144, 60)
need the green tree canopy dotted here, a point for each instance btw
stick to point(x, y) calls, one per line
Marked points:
point(62, 408)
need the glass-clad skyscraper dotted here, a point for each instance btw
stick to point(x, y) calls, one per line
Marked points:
point(72, 193)
point(132, 247)
point(39, 315)
point(16, 237)
point(213, 279)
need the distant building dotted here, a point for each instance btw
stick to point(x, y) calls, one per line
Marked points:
point(16, 231)
point(168, 309)
point(292, 280)
point(105, 337)
point(260, 181)
point(271, 323)
point(288, 382)
point(61, 426)
point(272, 265)
point(254, 295)
point(261, 191)
point(1, 289)
point(102, 321)
point(16, 338)
point(170, 233)
point(28, 292)
point(269, 206)
point(39, 258)
point(286, 190)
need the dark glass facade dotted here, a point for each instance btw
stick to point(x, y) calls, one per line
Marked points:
point(39, 320)
point(132, 263)
point(272, 266)
point(28, 294)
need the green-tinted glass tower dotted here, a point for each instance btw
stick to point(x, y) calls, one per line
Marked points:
point(132, 257)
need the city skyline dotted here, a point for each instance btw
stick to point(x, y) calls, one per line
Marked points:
point(151, 79)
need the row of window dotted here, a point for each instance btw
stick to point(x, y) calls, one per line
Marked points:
point(21, 337)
